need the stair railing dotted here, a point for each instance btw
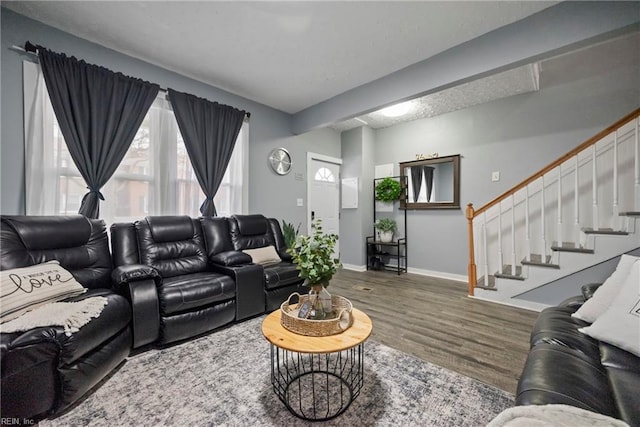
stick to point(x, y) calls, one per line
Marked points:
point(521, 196)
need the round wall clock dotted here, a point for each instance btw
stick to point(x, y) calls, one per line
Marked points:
point(280, 161)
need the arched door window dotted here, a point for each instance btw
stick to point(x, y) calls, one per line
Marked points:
point(324, 174)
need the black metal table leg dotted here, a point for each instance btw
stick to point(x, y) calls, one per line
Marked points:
point(317, 387)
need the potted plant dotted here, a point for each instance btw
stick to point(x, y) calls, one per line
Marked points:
point(388, 190)
point(386, 227)
point(289, 233)
point(313, 256)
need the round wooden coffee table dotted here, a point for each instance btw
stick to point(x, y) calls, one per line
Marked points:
point(317, 378)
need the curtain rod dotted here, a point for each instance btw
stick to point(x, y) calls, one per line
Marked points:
point(31, 49)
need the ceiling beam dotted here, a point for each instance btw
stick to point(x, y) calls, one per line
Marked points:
point(558, 29)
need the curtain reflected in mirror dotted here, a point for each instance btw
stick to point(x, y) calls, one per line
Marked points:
point(432, 183)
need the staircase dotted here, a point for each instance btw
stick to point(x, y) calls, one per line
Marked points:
point(578, 211)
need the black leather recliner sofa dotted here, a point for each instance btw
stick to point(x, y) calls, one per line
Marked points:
point(43, 370)
point(175, 277)
point(189, 297)
point(201, 278)
point(257, 231)
point(565, 366)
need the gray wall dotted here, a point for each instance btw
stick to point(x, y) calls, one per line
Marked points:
point(276, 196)
point(516, 136)
point(269, 128)
point(355, 224)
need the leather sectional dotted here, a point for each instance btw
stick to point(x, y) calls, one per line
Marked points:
point(565, 366)
point(166, 278)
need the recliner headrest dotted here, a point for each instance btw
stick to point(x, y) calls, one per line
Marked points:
point(50, 232)
point(170, 228)
point(252, 225)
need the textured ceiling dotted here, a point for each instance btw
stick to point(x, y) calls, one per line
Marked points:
point(501, 85)
point(287, 55)
point(597, 59)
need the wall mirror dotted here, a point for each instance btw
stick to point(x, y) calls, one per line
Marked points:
point(432, 183)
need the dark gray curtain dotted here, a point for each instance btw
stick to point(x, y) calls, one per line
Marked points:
point(99, 113)
point(416, 181)
point(209, 131)
point(428, 177)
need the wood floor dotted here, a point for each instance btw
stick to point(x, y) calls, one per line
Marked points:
point(433, 319)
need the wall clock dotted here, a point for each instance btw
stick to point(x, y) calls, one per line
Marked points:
point(280, 161)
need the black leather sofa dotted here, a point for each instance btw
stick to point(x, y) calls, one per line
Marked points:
point(280, 279)
point(174, 277)
point(43, 370)
point(565, 366)
point(202, 279)
point(190, 297)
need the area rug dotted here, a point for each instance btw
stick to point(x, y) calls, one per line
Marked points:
point(223, 379)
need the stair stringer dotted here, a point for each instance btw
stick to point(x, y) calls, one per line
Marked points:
point(605, 247)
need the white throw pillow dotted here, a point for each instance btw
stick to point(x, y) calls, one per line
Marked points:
point(607, 292)
point(620, 324)
point(23, 289)
point(263, 256)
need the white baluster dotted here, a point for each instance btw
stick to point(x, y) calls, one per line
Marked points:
point(594, 189)
point(559, 230)
point(526, 224)
point(513, 235)
point(576, 202)
point(485, 250)
point(543, 237)
point(500, 257)
point(616, 210)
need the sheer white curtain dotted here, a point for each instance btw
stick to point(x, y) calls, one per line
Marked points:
point(154, 178)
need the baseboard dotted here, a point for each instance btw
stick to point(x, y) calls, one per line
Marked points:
point(439, 274)
point(518, 303)
point(418, 271)
point(352, 267)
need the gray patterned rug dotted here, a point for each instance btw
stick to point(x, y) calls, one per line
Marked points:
point(223, 379)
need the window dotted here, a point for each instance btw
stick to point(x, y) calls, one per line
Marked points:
point(324, 174)
point(154, 178)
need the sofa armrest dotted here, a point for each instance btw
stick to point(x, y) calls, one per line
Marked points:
point(230, 258)
point(589, 289)
point(29, 374)
point(126, 274)
point(250, 293)
point(285, 256)
point(139, 284)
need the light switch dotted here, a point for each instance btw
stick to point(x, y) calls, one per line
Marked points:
point(495, 176)
point(300, 202)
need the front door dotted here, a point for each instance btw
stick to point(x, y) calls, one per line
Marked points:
point(323, 194)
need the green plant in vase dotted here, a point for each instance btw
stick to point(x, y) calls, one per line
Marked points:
point(313, 256)
point(386, 227)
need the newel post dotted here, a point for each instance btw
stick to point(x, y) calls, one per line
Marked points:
point(471, 269)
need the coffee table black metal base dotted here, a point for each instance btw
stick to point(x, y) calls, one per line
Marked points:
point(317, 386)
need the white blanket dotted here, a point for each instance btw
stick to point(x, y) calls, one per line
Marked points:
point(553, 416)
point(70, 315)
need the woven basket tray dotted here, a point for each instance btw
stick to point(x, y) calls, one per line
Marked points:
point(316, 328)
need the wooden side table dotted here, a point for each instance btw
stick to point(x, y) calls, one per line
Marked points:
point(317, 378)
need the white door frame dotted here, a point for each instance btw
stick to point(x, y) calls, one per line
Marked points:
point(323, 158)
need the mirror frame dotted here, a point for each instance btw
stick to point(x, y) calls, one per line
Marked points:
point(455, 204)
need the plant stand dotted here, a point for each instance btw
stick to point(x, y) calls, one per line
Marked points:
point(390, 256)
